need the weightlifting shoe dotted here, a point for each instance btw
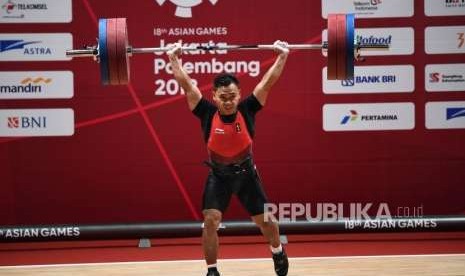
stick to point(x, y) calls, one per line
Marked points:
point(213, 273)
point(281, 263)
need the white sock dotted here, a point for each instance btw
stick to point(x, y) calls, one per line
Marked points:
point(276, 250)
point(211, 266)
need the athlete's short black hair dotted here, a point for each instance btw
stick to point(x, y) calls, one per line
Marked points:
point(225, 79)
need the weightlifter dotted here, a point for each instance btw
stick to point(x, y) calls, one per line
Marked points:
point(228, 127)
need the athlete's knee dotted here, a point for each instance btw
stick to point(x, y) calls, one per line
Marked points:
point(267, 224)
point(262, 221)
point(212, 219)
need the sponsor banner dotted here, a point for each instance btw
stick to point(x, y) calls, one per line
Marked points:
point(400, 40)
point(445, 40)
point(35, 47)
point(445, 77)
point(23, 85)
point(35, 11)
point(36, 122)
point(368, 8)
point(372, 116)
point(445, 115)
point(373, 79)
point(444, 7)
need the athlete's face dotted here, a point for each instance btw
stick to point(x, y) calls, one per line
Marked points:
point(227, 98)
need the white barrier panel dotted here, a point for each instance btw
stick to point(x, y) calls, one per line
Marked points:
point(368, 8)
point(401, 41)
point(36, 122)
point(444, 7)
point(445, 40)
point(36, 11)
point(22, 85)
point(373, 79)
point(35, 47)
point(445, 77)
point(368, 117)
point(445, 115)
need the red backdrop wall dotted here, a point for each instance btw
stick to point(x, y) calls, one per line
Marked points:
point(138, 157)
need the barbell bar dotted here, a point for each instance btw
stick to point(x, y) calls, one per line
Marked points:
point(112, 51)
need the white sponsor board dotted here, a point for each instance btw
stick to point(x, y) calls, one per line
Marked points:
point(373, 79)
point(445, 77)
point(445, 115)
point(400, 40)
point(372, 116)
point(445, 40)
point(444, 7)
point(368, 8)
point(21, 85)
point(35, 11)
point(35, 47)
point(36, 122)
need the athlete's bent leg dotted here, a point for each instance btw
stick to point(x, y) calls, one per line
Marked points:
point(269, 229)
point(212, 220)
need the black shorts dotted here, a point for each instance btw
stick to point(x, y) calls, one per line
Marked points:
point(246, 185)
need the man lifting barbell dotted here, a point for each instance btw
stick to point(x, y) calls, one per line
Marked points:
point(228, 128)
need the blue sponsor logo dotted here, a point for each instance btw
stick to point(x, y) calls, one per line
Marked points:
point(349, 82)
point(455, 112)
point(27, 122)
point(374, 40)
point(352, 117)
point(8, 45)
point(369, 80)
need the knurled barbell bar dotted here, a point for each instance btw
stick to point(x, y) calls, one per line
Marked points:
point(113, 50)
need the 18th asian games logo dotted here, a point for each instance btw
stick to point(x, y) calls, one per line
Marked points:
point(184, 7)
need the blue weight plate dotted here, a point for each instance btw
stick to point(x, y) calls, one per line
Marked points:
point(350, 34)
point(102, 48)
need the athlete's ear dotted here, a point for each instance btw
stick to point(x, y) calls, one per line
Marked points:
point(214, 93)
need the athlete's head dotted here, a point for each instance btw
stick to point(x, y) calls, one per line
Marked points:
point(226, 93)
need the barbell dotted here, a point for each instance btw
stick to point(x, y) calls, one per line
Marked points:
point(112, 51)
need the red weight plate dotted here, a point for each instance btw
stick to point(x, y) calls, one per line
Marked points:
point(121, 50)
point(341, 47)
point(112, 52)
point(332, 46)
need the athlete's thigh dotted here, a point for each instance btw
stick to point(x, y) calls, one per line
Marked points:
point(216, 194)
point(251, 195)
